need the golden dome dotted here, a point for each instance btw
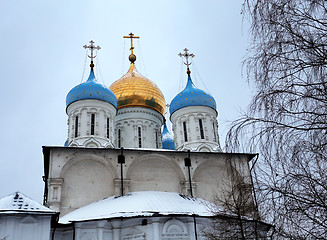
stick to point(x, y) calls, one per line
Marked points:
point(134, 90)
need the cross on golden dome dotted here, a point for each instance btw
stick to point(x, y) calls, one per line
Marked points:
point(92, 48)
point(132, 57)
point(131, 36)
point(187, 55)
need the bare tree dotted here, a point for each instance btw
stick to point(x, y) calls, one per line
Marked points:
point(287, 118)
point(241, 219)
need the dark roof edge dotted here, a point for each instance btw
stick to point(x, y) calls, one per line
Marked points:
point(251, 155)
point(171, 215)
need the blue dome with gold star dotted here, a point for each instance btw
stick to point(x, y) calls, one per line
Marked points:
point(167, 139)
point(91, 89)
point(191, 96)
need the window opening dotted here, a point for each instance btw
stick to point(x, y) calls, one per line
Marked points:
point(76, 126)
point(214, 132)
point(156, 136)
point(140, 136)
point(92, 123)
point(185, 131)
point(119, 138)
point(201, 129)
point(107, 127)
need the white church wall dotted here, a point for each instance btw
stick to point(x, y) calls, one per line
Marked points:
point(83, 110)
point(155, 172)
point(211, 187)
point(85, 174)
point(141, 228)
point(25, 226)
point(130, 118)
point(82, 175)
point(191, 116)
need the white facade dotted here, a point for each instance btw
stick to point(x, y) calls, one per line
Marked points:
point(195, 128)
point(138, 127)
point(91, 123)
point(79, 176)
point(153, 228)
point(25, 226)
point(147, 228)
point(22, 218)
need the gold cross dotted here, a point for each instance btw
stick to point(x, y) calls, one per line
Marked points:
point(131, 36)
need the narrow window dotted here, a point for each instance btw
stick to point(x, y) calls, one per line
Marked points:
point(156, 136)
point(201, 129)
point(119, 138)
point(185, 131)
point(214, 132)
point(92, 123)
point(107, 127)
point(76, 126)
point(140, 136)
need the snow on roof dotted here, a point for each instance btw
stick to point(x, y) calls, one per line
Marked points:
point(147, 203)
point(18, 202)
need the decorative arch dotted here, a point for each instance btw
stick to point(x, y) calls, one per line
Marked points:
point(174, 229)
point(109, 145)
point(29, 220)
point(92, 143)
point(139, 122)
point(75, 112)
point(155, 172)
point(191, 115)
point(103, 110)
point(204, 148)
point(93, 110)
point(72, 161)
point(73, 144)
point(84, 109)
point(201, 115)
point(209, 176)
point(87, 178)
point(182, 118)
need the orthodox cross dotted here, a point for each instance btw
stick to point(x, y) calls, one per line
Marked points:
point(131, 36)
point(187, 55)
point(92, 48)
point(167, 105)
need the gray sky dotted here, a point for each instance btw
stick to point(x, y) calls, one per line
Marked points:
point(43, 58)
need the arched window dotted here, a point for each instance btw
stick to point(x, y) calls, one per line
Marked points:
point(108, 127)
point(119, 138)
point(76, 126)
point(156, 138)
point(185, 131)
point(201, 129)
point(214, 132)
point(174, 229)
point(92, 123)
point(139, 132)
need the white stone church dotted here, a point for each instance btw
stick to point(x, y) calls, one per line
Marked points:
point(122, 175)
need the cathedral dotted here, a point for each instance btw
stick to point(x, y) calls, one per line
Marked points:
point(122, 175)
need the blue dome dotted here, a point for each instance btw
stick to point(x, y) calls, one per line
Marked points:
point(91, 89)
point(191, 96)
point(167, 139)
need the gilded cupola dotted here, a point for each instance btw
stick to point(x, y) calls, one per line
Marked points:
point(135, 90)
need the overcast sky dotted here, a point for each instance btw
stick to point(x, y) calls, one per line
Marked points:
point(42, 58)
